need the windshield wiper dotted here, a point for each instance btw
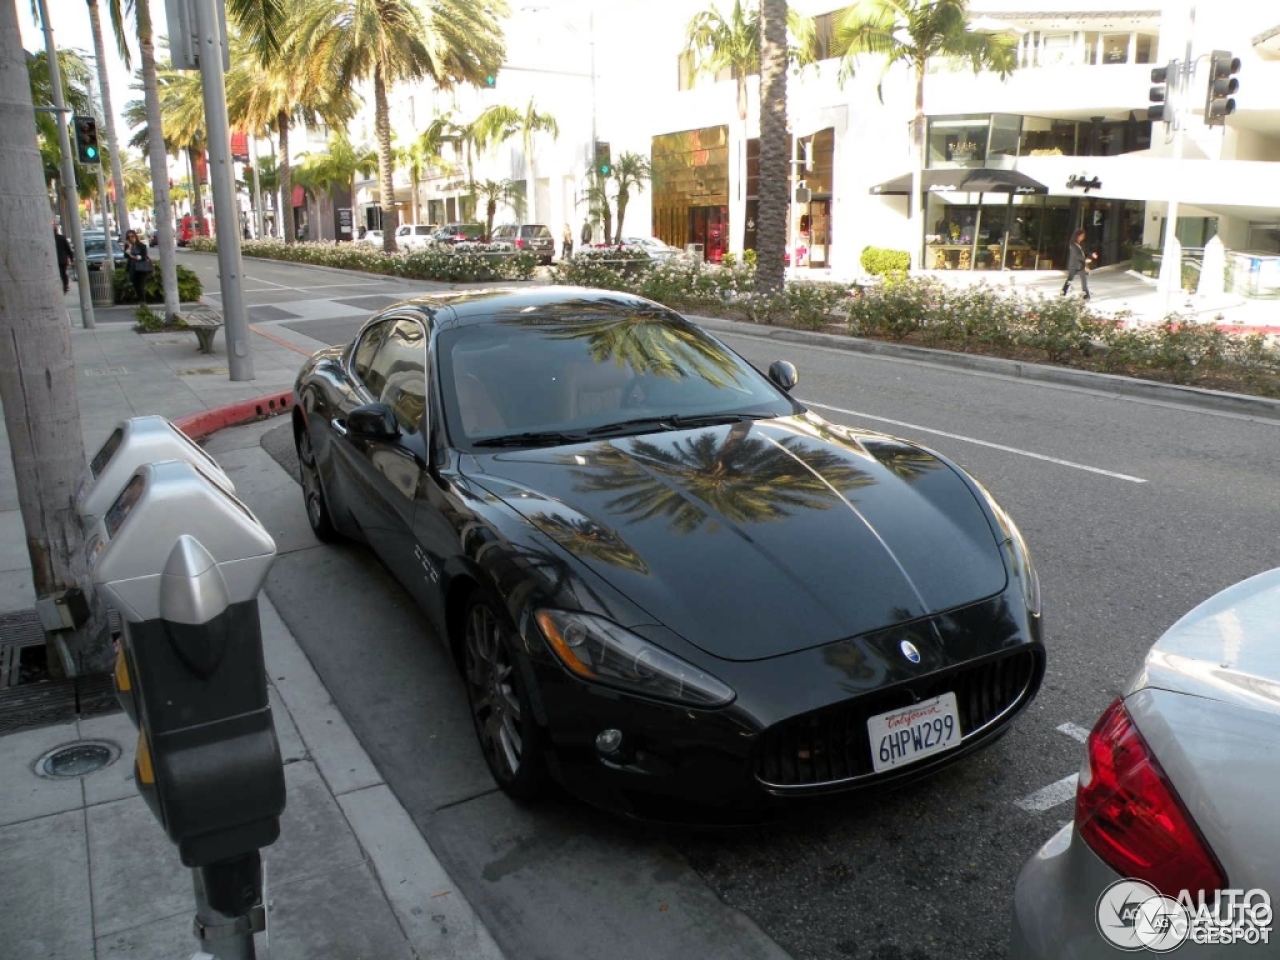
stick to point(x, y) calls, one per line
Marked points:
point(676, 421)
point(532, 439)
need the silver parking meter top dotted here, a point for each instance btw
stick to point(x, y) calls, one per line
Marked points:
point(138, 440)
point(170, 524)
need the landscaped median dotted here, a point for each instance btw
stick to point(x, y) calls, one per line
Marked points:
point(463, 263)
point(979, 319)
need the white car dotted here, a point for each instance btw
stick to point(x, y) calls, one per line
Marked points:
point(654, 247)
point(412, 236)
point(372, 237)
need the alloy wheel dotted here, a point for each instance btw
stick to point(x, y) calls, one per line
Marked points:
point(496, 706)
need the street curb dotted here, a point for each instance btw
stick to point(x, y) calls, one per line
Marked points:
point(201, 424)
point(1131, 387)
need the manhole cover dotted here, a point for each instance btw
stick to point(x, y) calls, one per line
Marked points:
point(77, 759)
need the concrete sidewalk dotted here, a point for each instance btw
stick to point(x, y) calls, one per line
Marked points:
point(86, 872)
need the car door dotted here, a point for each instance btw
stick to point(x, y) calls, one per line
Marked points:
point(385, 471)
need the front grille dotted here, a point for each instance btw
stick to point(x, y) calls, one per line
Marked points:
point(831, 745)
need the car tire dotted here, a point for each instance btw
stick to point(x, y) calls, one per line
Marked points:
point(318, 514)
point(510, 738)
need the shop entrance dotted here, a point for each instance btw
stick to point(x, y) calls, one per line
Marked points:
point(709, 226)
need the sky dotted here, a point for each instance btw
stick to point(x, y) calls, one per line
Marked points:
point(71, 28)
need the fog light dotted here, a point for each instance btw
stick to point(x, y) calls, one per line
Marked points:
point(609, 741)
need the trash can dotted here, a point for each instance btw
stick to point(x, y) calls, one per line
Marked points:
point(101, 288)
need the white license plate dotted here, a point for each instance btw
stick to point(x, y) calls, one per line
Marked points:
point(920, 730)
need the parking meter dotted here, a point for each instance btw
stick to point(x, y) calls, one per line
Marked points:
point(182, 560)
point(138, 440)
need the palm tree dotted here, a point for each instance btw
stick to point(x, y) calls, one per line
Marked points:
point(772, 197)
point(104, 87)
point(296, 85)
point(910, 32)
point(500, 123)
point(137, 181)
point(388, 41)
point(337, 167)
point(494, 192)
point(74, 73)
point(630, 171)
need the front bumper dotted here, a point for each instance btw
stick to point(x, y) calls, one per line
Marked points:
point(796, 729)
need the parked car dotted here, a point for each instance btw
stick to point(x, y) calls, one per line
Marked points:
point(373, 238)
point(534, 237)
point(458, 232)
point(412, 236)
point(1178, 793)
point(95, 250)
point(666, 582)
point(656, 248)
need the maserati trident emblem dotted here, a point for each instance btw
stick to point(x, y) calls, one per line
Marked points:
point(909, 651)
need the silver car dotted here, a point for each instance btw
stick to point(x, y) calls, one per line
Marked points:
point(1175, 842)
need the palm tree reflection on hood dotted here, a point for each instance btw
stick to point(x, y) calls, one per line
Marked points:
point(699, 479)
point(648, 340)
point(588, 540)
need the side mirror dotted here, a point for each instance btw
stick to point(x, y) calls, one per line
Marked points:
point(373, 421)
point(783, 374)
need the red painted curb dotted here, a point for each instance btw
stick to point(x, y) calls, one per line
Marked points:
point(205, 422)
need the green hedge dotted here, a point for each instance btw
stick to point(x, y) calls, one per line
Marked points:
point(189, 286)
point(476, 263)
point(879, 261)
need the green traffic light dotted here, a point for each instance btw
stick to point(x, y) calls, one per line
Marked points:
point(91, 153)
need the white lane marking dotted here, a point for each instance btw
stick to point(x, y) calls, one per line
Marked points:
point(1074, 731)
point(1046, 798)
point(982, 443)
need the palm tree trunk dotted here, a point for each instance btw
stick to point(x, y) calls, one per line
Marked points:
point(37, 370)
point(416, 209)
point(917, 171)
point(286, 179)
point(197, 195)
point(117, 171)
point(386, 185)
point(159, 159)
point(774, 190)
point(624, 198)
point(530, 189)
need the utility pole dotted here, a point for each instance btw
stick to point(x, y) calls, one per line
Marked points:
point(257, 191)
point(222, 180)
point(71, 201)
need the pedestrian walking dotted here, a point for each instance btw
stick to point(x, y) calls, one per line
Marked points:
point(138, 264)
point(586, 232)
point(566, 243)
point(1078, 263)
point(65, 256)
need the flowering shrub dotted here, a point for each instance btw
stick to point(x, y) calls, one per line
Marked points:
point(465, 263)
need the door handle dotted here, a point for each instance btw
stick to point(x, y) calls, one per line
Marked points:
point(339, 427)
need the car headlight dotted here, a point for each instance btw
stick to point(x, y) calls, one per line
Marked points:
point(600, 651)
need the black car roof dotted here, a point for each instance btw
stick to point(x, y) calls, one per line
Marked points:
point(468, 307)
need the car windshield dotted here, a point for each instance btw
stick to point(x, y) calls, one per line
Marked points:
point(96, 246)
point(555, 375)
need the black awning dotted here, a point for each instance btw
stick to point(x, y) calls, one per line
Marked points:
point(964, 180)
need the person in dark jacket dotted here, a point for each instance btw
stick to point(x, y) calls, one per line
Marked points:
point(65, 256)
point(1078, 263)
point(138, 264)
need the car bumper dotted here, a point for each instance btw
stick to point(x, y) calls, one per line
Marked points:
point(793, 732)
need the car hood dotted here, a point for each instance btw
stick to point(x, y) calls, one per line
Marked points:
point(765, 537)
point(1227, 648)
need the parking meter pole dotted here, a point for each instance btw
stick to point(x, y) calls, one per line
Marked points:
point(228, 907)
point(71, 200)
point(221, 178)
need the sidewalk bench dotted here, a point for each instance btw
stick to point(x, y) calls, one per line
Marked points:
point(205, 324)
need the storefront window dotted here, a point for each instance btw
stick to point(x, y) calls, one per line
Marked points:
point(1006, 130)
point(1145, 49)
point(1114, 48)
point(1029, 233)
point(958, 141)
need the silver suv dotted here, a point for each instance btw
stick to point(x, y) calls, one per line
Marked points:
point(534, 237)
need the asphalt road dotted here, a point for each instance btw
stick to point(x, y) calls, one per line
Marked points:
point(1134, 511)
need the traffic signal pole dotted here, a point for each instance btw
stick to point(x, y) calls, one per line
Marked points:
point(67, 175)
point(222, 180)
point(1170, 279)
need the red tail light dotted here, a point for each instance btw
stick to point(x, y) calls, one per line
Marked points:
point(519, 244)
point(1130, 816)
